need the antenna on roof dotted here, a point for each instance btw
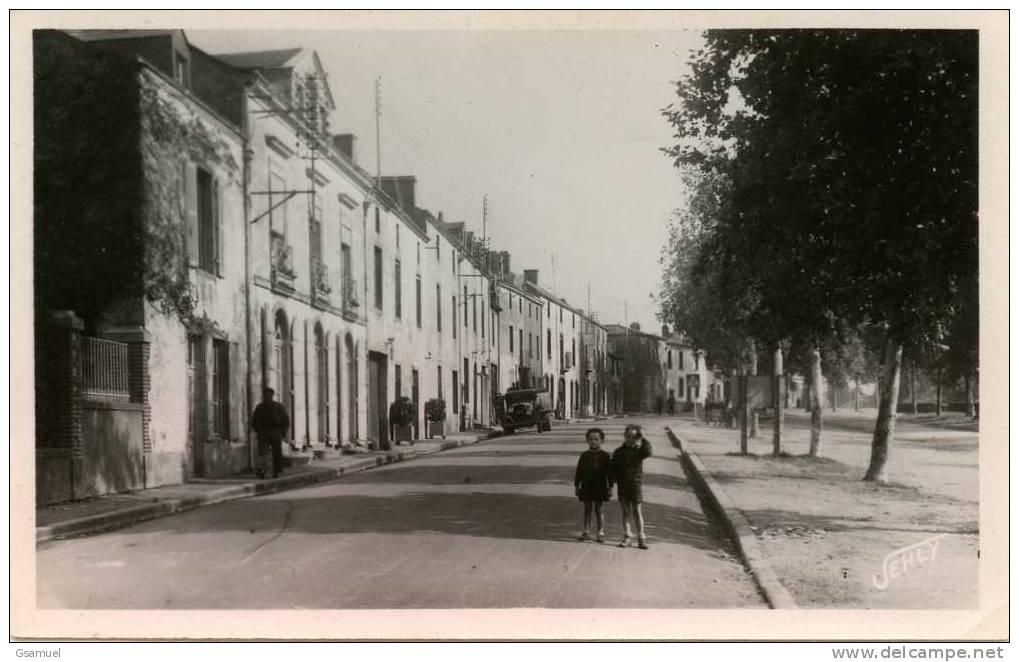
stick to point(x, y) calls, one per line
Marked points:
point(378, 131)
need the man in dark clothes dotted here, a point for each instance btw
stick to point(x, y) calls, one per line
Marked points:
point(672, 403)
point(628, 474)
point(271, 422)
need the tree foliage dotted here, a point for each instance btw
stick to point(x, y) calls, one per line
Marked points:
point(849, 159)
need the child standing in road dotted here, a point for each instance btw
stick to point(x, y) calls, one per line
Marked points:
point(628, 473)
point(592, 482)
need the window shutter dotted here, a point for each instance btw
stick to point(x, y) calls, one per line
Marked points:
point(191, 211)
point(217, 225)
point(211, 374)
point(235, 394)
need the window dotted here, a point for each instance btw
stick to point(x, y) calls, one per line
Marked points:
point(548, 343)
point(398, 290)
point(520, 338)
point(467, 382)
point(670, 359)
point(511, 338)
point(453, 259)
point(417, 295)
point(530, 345)
point(208, 222)
point(454, 318)
point(511, 300)
point(279, 214)
point(474, 312)
point(560, 315)
point(455, 381)
point(520, 305)
point(561, 348)
point(220, 388)
point(438, 382)
point(397, 226)
point(397, 383)
point(378, 278)
point(378, 220)
point(465, 305)
point(680, 361)
point(438, 308)
point(484, 314)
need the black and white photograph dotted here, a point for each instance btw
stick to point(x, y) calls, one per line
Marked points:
point(523, 325)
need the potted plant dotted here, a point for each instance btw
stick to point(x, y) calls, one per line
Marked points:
point(435, 412)
point(402, 414)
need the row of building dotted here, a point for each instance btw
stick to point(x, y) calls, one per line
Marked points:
point(200, 233)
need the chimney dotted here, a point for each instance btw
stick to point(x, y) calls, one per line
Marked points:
point(531, 276)
point(344, 144)
point(505, 262)
point(401, 189)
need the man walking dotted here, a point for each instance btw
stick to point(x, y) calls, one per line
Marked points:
point(271, 422)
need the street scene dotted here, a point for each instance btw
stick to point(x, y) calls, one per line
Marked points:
point(360, 320)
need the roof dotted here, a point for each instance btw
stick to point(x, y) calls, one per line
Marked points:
point(109, 35)
point(617, 329)
point(261, 59)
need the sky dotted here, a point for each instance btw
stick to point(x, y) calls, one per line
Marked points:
point(561, 130)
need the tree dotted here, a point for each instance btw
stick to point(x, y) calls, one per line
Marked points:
point(850, 158)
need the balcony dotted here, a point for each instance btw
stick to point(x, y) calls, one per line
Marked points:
point(351, 298)
point(320, 287)
point(282, 264)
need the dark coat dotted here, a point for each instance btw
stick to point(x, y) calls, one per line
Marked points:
point(593, 477)
point(628, 463)
point(270, 419)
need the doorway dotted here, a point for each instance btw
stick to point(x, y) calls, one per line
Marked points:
point(378, 433)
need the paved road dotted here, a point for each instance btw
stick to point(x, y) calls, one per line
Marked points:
point(490, 525)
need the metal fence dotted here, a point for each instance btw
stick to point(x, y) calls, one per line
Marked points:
point(104, 370)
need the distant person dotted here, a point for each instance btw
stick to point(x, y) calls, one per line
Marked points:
point(658, 404)
point(628, 474)
point(271, 422)
point(672, 404)
point(592, 482)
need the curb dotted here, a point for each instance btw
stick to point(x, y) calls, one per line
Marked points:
point(134, 514)
point(736, 526)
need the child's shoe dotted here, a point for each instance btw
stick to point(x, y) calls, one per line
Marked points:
point(601, 537)
point(584, 536)
point(642, 542)
point(626, 542)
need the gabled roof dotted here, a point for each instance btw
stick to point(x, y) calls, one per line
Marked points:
point(285, 58)
point(276, 59)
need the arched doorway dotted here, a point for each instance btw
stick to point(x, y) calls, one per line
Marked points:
point(561, 399)
point(282, 376)
point(321, 384)
point(352, 380)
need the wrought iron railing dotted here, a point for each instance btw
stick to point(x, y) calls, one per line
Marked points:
point(282, 260)
point(104, 370)
point(351, 294)
point(320, 277)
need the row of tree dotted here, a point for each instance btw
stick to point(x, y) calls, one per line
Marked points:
point(830, 207)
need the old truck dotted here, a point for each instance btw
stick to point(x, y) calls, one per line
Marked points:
point(523, 408)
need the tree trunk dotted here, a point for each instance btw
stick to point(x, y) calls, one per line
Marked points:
point(912, 386)
point(816, 402)
point(777, 423)
point(884, 428)
point(856, 404)
point(937, 406)
point(971, 405)
point(753, 371)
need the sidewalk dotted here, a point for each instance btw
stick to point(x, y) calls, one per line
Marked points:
point(118, 510)
point(828, 536)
